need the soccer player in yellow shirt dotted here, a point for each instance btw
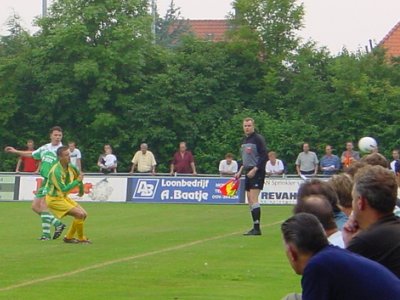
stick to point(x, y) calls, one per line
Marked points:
point(64, 177)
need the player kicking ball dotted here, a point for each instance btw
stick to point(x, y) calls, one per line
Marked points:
point(64, 177)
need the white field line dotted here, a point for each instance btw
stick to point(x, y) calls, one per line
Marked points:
point(122, 259)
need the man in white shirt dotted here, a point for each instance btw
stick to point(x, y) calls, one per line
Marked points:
point(395, 155)
point(228, 166)
point(274, 166)
point(75, 155)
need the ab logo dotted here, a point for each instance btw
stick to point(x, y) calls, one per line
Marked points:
point(146, 188)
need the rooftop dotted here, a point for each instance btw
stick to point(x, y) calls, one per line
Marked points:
point(213, 30)
point(391, 42)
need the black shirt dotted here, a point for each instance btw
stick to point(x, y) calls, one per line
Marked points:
point(254, 152)
point(380, 242)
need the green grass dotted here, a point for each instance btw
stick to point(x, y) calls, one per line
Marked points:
point(147, 251)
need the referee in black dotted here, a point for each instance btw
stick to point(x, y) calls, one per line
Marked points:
point(254, 158)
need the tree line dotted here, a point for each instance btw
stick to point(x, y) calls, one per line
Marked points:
point(96, 70)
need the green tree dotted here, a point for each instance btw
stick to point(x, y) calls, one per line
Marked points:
point(273, 23)
point(171, 27)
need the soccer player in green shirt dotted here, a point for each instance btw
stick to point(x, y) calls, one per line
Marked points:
point(63, 177)
point(48, 157)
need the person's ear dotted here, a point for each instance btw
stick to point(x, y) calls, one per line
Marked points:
point(292, 253)
point(361, 203)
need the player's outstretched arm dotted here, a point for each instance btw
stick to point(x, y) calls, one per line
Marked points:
point(10, 149)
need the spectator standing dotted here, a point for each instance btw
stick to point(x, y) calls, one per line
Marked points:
point(29, 164)
point(330, 163)
point(349, 156)
point(274, 166)
point(329, 272)
point(107, 161)
point(373, 230)
point(395, 163)
point(75, 155)
point(228, 166)
point(183, 161)
point(307, 162)
point(144, 161)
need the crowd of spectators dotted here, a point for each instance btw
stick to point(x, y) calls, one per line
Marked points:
point(355, 210)
point(183, 162)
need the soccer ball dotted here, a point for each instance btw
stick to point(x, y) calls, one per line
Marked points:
point(367, 144)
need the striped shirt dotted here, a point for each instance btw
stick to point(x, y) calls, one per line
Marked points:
point(62, 181)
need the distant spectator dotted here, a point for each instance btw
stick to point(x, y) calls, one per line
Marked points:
point(307, 162)
point(320, 207)
point(228, 166)
point(183, 161)
point(107, 161)
point(373, 230)
point(343, 185)
point(330, 163)
point(318, 187)
point(75, 155)
point(349, 156)
point(274, 166)
point(395, 163)
point(29, 164)
point(329, 272)
point(144, 160)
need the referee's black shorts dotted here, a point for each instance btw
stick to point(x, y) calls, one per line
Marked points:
point(255, 183)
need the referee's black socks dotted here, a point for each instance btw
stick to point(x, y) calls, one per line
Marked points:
point(256, 215)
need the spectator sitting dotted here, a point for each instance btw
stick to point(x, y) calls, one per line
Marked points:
point(343, 185)
point(318, 187)
point(29, 164)
point(274, 166)
point(107, 161)
point(373, 230)
point(329, 272)
point(320, 207)
point(375, 159)
point(228, 166)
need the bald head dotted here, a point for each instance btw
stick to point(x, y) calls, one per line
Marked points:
point(319, 206)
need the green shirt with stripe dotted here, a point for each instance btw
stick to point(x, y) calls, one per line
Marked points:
point(62, 180)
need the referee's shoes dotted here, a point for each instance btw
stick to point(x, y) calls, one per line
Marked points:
point(253, 232)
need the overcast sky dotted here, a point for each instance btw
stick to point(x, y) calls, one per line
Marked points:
point(332, 23)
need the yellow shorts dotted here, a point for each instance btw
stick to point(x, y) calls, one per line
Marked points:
point(60, 206)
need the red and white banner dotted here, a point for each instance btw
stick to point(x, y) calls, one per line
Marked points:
point(96, 188)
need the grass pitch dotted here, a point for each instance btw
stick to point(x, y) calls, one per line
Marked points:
point(147, 251)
